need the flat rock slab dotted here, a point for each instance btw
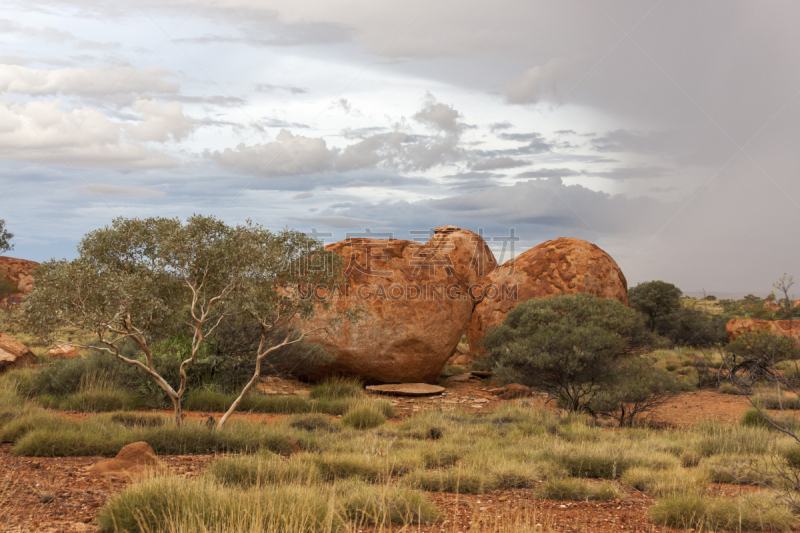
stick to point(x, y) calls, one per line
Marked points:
point(407, 389)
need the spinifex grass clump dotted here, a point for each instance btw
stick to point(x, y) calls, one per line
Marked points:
point(754, 512)
point(172, 504)
point(38, 433)
point(364, 417)
point(578, 490)
point(337, 388)
point(219, 402)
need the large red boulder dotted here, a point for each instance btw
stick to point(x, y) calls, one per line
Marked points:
point(415, 300)
point(14, 354)
point(783, 328)
point(560, 266)
point(15, 275)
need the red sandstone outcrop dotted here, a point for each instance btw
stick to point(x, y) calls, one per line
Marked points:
point(784, 328)
point(19, 273)
point(63, 351)
point(416, 305)
point(560, 266)
point(14, 354)
point(131, 459)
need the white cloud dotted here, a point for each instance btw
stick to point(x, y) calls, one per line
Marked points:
point(81, 137)
point(289, 155)
point(86, 81)
point(441, 116)
point(161, 123)
point(542, 81)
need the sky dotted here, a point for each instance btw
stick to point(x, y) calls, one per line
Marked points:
point(665, 132)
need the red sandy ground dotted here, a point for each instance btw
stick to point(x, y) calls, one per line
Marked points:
point(77, 498)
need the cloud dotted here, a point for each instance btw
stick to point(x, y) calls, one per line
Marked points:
point(543, 81)
point(551, 203)
point(618, 173)
point(470, 181)
point(336, 221)
point(268, 88)
point(118, 190)
point(303, 196)
point(550, 173)
point(497, 163)
point(287, 156)
point(161, 123)
point(86, 81)
point(438, 115)
point(80, 137)
point(291, 155)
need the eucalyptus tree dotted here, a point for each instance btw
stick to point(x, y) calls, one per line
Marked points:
point(286, 274)
point(143, 279)
point(5, 237)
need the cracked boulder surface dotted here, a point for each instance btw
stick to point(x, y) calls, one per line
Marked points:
point(415, 302)
point(560, 266)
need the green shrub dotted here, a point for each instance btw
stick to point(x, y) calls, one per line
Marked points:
point(337, 389)
point(577, 490)
point(364, 417)
point(574, 347)
point(756, 512)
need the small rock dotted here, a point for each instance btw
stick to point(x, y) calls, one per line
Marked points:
point(482, 373)
point(407, 389)
point(46, 497)
point(459, 378)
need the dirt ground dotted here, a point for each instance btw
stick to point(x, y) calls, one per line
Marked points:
point(55, 495)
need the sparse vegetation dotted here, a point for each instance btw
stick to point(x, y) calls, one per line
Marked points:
point(578, 490)
point(364, 417)
point(703, 513)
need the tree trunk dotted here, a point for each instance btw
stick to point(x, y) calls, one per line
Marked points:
point(238, 400)
point(176, 403)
